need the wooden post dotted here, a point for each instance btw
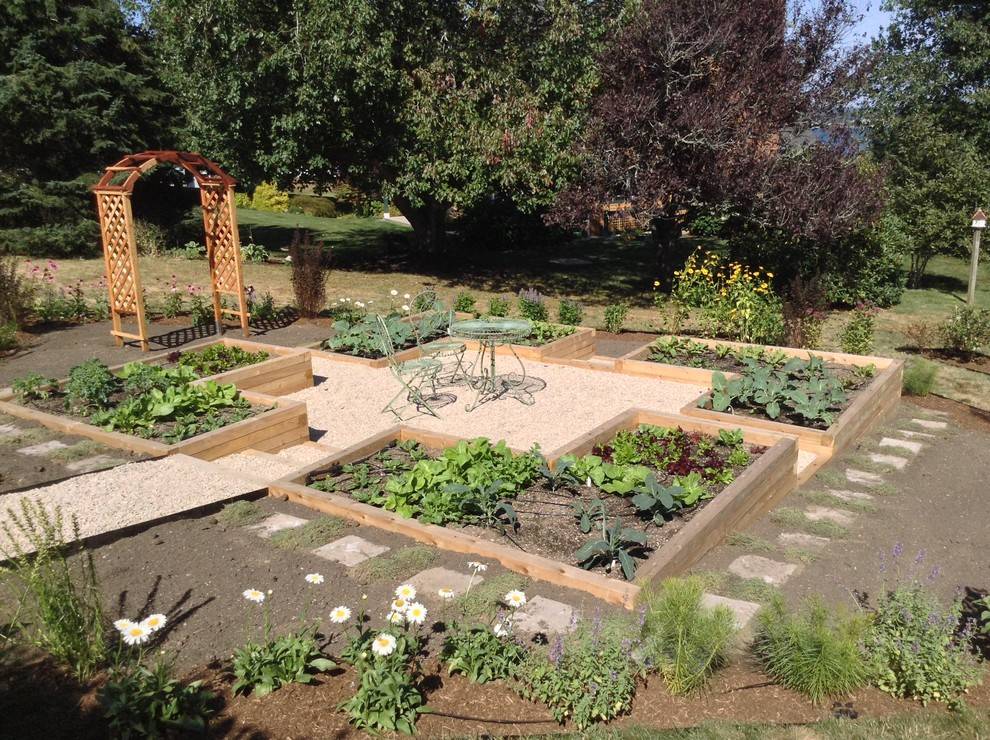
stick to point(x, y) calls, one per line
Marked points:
point(979, 224)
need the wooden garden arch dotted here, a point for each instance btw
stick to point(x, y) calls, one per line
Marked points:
point(223, 244)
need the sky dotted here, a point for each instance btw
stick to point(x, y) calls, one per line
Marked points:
point(873, 18)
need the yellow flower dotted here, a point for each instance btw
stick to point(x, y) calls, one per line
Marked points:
point(770, 274)
point(764, 286)
point(656, 283)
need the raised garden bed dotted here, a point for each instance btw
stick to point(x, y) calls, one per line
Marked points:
point(157, 410)
point(353, 484)
point(579, 344)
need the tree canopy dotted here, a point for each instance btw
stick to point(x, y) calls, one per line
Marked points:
point(434, 103)
point(77, 90)
point(929, 122)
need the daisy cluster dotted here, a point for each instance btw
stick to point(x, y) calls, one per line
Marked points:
point(138, 633)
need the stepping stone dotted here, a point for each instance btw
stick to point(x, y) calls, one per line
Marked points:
point(88, 464)
point(894, 461)
point(9, 430)
point(801, 539)
point(915, 435)
point(825, 514)
point(849, 495)
point(913, 447)
point(350, 550)
point(276, 523)
point(540, 615)
point(764, 569)
point(431, 580)
point(863, 478)
point(43, 448)
point(927, 424)
point(742, 611)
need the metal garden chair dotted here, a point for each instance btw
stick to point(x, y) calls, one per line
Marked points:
point(436, 319)
point(414, 375)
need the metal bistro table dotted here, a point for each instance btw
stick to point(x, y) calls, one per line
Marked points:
point(481, 376)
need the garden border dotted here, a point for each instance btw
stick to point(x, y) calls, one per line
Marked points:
point(764, 482)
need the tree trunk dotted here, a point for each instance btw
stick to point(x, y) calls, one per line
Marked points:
point(428, 221)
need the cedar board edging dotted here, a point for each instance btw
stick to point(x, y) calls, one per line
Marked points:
point(769, 477)
point(873, 403)
point(289, 417)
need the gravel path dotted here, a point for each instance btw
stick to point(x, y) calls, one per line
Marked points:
point(347, 406)
point(134, 493)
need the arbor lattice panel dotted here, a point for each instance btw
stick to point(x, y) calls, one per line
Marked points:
point(223, 247)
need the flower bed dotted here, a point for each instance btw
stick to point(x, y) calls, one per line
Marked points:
point(590, 521)
point(556, 341)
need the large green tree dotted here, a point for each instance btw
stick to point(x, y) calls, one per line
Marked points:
point(929, 122)
point(76, 91)
point(433, 103)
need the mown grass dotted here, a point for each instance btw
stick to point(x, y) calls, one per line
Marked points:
point(395, 566)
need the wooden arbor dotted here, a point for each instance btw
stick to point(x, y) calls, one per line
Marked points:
point(223, 244)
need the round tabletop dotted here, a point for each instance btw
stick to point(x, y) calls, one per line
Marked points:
point(490, 329)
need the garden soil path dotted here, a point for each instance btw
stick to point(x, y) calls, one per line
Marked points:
point(927, 520)
point(54, 353)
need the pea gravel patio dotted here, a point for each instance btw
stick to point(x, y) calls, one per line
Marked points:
point(346, 407)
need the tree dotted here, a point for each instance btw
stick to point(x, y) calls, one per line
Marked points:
point(928, 116)
point(432, 103)
point(77, 90)
point(729, 103)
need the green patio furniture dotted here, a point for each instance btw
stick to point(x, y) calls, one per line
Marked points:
point(415, 376)
point(437, 319)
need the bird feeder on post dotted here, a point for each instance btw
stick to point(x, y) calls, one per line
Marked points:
point(979, 224)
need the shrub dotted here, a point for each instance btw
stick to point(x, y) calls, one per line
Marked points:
point(804, 313)
point(252, 252)
point(967, 330)
point(735, 300)
point(919, 377)
point(242, 200)
point(615, 317)
point(685, 641)
point(586, 678)
point(309, 275)
point(292, 658)
point(63, 599)
point(857, 335)
point(267, 197)
point(90, 386)
point(914, 648)
point(263, 309)
point(17, 294)
point(813, 652)
point(480, 654)
point(533, 306)
point(706, 224)
point(570, 313)
point(465, 302)
point(498, 306)
point(151, 238)
point(143, 702)
point(8, 337)
point(921, 334)
point(312, 205)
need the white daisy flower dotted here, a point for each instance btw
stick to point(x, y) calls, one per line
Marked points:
point(399, 605)
point(405, 307)
point(515, 599)
point(359, 304)
point(446, 593)
point(477, 567)
point(406, 591)
point(341, 300)
point(121, 625)
point(406, 296)
point(136, 634)
point(253, 594)
point(383, 645)
point(393, 292)
point(416, 613)
point(154, 622)
point(340, 615)
point(314, 578)
point(396, 617)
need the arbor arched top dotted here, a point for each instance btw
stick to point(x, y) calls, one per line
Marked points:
point(131, 167)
